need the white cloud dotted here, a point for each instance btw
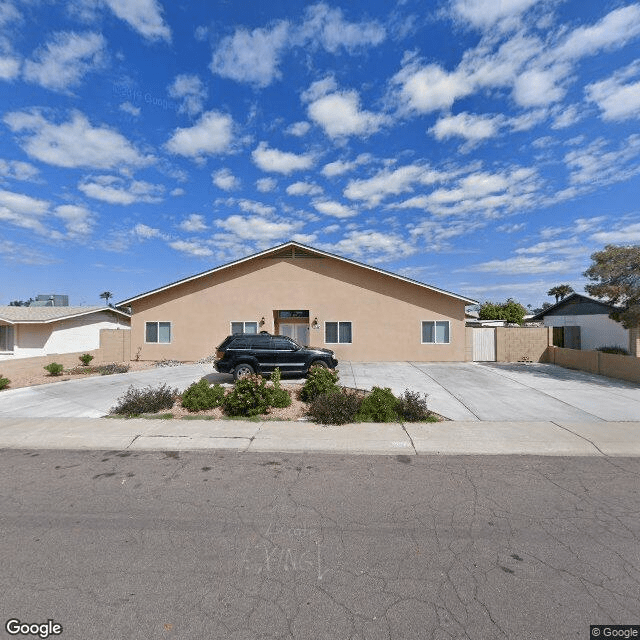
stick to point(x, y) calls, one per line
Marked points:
point(9, 67)
point(132, 110)
point(265, 185)
point(333, 208)
point(472, 127)
point(303, 189)
point(191, 248)
point(536, 87)
point(527, 265)
point(436, 234)
point(258, 228)
point(193, 224)
point(115, 190)
point(340, 167)
point(211, 134)
point(225, 180)
point(145, 16)
point(273, 160)
point(178, 191)
point(485, 13)
point(79, 221)
point(298, 129)
point(617, 99)
point(251, 206)
point(625, 234)
point(75, 143)
point(565, 117)
point(192, 93)
point(63, 61)
point(251, 57)
point(373, 246)
point(145, 232)
point(17, 170)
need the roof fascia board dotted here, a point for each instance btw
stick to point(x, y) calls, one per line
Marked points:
point(73, 315)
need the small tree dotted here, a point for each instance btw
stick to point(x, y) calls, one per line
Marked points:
point(615, 277)
point(560, 291)
point(510, 311)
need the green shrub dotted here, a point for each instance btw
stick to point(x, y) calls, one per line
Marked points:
point(201, 396)
point(379, 406)
point(319, 381)
point(54, 369)
point(338, 406)
point(619, 350)
point(85, 358)
point(412, 406)
point(250, 397)
point(280, 397)
point(4, 382)
point(109, 369)
point(147, 400)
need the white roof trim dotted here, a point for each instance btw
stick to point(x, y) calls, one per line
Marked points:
point(67, 317)
point(301, 246)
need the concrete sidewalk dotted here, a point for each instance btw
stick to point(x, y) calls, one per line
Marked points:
point(445, 438)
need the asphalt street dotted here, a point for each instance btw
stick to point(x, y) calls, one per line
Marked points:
point(214, 544)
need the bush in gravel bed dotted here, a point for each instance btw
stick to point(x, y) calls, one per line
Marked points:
point(338, 406)
point(250, 397)
point(148, 400)
point(319, 380)
point(201, 396)
point(379, 406)
point(109, 369)
point(412, 406)
point(54, 368)
point(280, 398)
point(4, 382)
point(85, 358)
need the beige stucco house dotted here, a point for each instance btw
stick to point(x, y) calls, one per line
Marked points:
point(361, 312)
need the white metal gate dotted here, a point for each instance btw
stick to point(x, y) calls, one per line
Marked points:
point(484, 344)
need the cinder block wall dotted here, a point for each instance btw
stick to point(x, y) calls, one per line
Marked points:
point(605, 364)
point(517, 344)
point(634, 341)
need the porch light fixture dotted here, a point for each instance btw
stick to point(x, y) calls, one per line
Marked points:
point(315, 324)
point(262, 321)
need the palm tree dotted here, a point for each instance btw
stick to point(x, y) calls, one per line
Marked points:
point(106, 295)
point(560, 291)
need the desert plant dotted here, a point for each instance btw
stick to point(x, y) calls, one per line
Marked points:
point(85, 358)
point(338, 406)
point(54, 368)
point(110, 369)
point(412, 406)
point(319, 381)
point(614, 349)
point(280, 397)
point(147, 400)
point(379, 406)
point(4, 382)
point(201, 396)
point(250, 397)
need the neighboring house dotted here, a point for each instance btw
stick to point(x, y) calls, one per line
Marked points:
point(37, 331)
point(583, 323)
point(361, 312)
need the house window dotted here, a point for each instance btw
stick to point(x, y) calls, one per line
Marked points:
point(6, 338)
point(158, 332)
point(337, 333)
point(435, 332)
point(244, 327)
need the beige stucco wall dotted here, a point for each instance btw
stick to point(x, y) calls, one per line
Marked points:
point(606, 364)
point(385, 312)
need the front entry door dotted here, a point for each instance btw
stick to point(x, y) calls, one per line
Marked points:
point(299, 332)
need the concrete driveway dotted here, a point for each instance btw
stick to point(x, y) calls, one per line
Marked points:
point(459, 391)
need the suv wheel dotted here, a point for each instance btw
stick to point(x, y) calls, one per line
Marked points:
point(242, 370)
point(318, 363)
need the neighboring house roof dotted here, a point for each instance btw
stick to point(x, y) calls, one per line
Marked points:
point(576, 304)
point(291, 250)
point(44, 315)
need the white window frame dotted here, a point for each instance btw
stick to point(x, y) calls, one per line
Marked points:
point(10, 338)
point(243, 323)
point(435, 322)
point(338, 322)
point(158, 323)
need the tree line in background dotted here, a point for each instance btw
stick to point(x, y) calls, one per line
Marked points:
point(615, 278)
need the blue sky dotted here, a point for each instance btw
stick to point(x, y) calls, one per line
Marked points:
point(485, 147)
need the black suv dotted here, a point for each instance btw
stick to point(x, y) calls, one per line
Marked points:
point(246, 353)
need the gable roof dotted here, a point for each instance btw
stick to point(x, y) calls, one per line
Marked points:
point(294, 250)
point(574, 298)
point(45, 315)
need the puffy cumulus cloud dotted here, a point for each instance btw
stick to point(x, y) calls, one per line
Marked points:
point(225, 180)
point(211, 134)
point(485, 13)
point(617, 99)
point(63, 61)
point(266, 185)
point(17, 170)
point(335, 209)
point(191, 248)
point(75, 143)
point(372, 246)
point(339, 167)
point(79, 221)
point(144, 16)
point(115, 190)
point(251, 206)
point(193, 224)
point(536, 87)
point(145, 232)
point(303, 189)
point(340, 115)
point(472, 128)
point(391, 182)
point(298, 129)
point(258, 228)
point(251, 56)
point(276, 161)
point(188, 88)
point(436, 234)
point(10, 67)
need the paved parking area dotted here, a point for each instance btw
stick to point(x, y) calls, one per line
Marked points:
point(458, 391)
